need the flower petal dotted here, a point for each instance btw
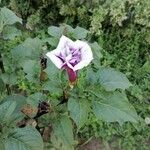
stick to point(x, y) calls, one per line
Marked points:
point(86, 55)
point(63, 41)
point(53, 57)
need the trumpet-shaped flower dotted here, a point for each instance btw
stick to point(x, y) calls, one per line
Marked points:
point(71, 55)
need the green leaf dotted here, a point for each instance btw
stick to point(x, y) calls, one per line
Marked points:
point(29, 49)
point(55, 31)
point(52, 41)
point(96, 49)
point(79, 109)
point(91, 76)
point(29, 65)
point(27, 138)
point(2, 147)
point(52, 71)
point(54, 83)
point(53, 86)
point(77, 33)
point(10, 110)
point(67, 30)
point(113, 107)
point(34, 99)
point(9, 78)
point(22, 52)
point(112, 80)
point(10, 32)
point(58, 144)
point(32, 68)
point(7, 17)
point(34, 43)
point(80, 33)
point(6, 110)
point(20, 102)
point(62, 129)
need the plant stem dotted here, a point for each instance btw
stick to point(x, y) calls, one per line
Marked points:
point(1, 64)
point(3, 71)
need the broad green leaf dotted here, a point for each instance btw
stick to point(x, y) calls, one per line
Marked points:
point(57, 78)
point(34, 99)
point(58, 144)
point(29, 66)
point(53, 86)
point(112, 80)
point(80, 33)
point(32, 68)
point(62, 129)
point(33, 102)
point(52, 41)
point(96, 49)
point(10, 32)
point(52, 70)
point(6, 110)
point(9, 78)
point(34, 43)
point(20, 102)
point(77, 33)
point(55, 31)
point(29, 49)
point(27, 138)
point(2, 145)
point(67, 30)
point(7, 17)
point(91, 76)
point(9, 111)
point(79, 109)
point(22, 52)
point(113, 107)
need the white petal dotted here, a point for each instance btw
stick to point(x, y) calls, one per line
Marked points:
point(86, 55)
point(70, 66)
point(53, 57)
point(63, 41)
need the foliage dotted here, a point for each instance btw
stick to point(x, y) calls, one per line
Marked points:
point(118, 38)
point(16, 138)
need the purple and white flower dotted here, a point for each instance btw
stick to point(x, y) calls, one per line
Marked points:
point(71, 56)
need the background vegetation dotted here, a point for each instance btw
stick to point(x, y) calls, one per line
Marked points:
point(121, 27)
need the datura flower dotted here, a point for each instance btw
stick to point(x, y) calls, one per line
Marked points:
point(71, 55)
